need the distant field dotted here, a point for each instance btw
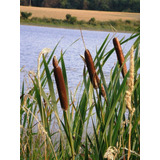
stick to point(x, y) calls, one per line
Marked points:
point(57, 13)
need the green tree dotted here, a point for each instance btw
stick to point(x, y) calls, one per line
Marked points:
point(25, 15)
point(68, 17)
point(73, 20)
point(63, 3)
point(92, 21)
point(106, 5)
point(37, 3)
point(85, 4)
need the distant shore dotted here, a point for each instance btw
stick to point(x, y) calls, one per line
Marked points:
point(77, 27)
point(112, 26)
point(87, 20)
point(85, 15)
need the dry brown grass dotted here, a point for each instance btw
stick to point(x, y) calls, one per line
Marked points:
point(80, 14)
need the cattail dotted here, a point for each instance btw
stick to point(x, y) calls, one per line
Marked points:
point(91, 69)
point(60, 84)
point(120, 56)
point(92, 72)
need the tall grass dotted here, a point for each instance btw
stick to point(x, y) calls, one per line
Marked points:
point(46, 133)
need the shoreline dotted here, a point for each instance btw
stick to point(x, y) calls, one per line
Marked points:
point(74, 27)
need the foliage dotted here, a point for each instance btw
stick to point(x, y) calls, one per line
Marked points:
point(25, 15)
point(91, 24)
point(92, 21)
point(104, 5)
point(47, 132)
point(73, 20)
point(68, 17)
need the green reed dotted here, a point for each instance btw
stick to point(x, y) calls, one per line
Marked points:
point(47, 134)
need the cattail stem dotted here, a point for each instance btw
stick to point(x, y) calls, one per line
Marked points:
point(120, 56)
point(60, 84)
point(69, 131)
point(100, 107)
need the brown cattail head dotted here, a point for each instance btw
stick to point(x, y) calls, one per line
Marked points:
point(60, 84)
point(120, 55)
point(91, 69)
point(92, 72)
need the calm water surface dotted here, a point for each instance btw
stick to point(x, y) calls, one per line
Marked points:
point(33, 39)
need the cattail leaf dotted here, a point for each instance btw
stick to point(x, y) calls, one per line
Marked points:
point(89, 115)
point(135, 124)
point(79, 114)
point(50, 85)
point(41, 108)
point(47, 101)
point(134, 35)
point(136, 53)
point(71, 45)
point(93, 148)
point(137, 41)
point(114, 106)
point(38, 99)
point(112, 78)
point(102, 77)
point(66, 131)
point(96, 136)
point(137, 65)
point(22, 93)
point(50, 57)
point(82, 109)
point(97, 108)
point(101, 47)
point(85, 79)
point(97, 142)
point(107, 55)
point(86, 149)
point(118, 124)
point(110, 132)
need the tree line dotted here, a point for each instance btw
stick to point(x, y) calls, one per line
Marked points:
point(102, 5)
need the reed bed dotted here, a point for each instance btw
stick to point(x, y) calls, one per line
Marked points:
point(46, 134)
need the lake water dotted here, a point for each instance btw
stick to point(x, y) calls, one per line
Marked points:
point(34, 38)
